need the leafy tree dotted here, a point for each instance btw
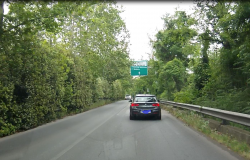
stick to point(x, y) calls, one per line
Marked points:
point(55, 59)
point(174, 40)
point(212, 45)
point(172, 77)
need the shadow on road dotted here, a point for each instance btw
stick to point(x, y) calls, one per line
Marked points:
point(145, 118)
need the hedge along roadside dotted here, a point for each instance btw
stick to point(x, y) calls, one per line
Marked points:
point(50, 68)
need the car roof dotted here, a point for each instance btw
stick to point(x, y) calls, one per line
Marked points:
point(143, 95)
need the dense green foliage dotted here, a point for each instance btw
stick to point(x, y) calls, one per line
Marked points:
point(203, 58)
point(58, 58)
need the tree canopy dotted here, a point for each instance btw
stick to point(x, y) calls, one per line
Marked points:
point(58, 58)
point(203, 58)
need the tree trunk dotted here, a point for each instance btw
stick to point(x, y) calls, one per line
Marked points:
point(1, 17)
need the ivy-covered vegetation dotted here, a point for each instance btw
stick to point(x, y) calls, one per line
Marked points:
point(203, 58)
point(58, 58)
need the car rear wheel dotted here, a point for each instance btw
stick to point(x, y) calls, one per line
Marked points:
point(159, 116)
point(131, 116)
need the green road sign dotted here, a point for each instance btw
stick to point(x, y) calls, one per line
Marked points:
point(139, 68)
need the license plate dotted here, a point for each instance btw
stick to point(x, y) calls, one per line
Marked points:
point(146, 111)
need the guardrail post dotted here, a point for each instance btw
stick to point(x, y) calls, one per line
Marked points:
point(224, 122)
point(201, 114)
point(174, 106)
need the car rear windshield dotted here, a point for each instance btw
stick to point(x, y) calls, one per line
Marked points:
point(145, 99)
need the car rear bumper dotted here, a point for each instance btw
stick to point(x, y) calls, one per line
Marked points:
point(138, 112)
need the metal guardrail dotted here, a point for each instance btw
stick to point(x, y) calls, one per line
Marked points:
point(240, 118)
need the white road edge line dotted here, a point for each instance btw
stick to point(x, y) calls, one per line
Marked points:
point(76, 142)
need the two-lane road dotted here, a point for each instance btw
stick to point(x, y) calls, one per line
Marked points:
point(106, 133)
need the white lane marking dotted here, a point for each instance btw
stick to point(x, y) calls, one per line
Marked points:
point(121, 111)
point(79, 140)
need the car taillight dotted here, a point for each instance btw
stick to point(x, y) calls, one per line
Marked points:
point(156, 104)
point(134, 104)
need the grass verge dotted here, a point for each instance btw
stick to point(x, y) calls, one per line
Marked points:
point(196, 121)
point(92, 106)
point(100, 103)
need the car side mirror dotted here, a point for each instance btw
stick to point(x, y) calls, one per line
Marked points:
point(130, 100)
point(159, 100)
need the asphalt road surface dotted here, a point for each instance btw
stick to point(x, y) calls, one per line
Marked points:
point(106, 133)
